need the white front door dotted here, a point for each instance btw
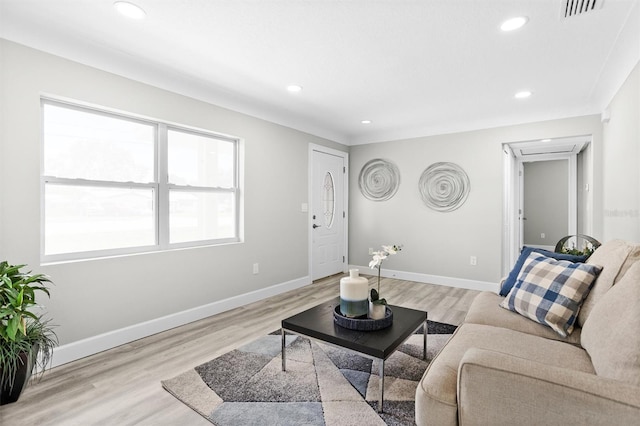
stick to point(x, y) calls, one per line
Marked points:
point(328, 214)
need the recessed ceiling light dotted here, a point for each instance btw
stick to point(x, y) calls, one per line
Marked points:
point(514, 23)
point(129, 10)
point(366, 121)
point(545, 140)
point(294, 88)
point(523, 95)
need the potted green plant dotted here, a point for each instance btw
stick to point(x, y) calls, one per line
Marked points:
point(23, 333)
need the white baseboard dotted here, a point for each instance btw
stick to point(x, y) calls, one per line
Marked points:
point(431, 279)
point(92, 345)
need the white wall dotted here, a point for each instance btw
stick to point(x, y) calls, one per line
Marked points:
point(438, 245)
point(621, 162)
point(546, 202)
point(99, 296)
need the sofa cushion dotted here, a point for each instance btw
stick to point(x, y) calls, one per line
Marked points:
point(498, 389)
point(615, 257)
point(512, 278)
point(436, 394)
point(551, 291)
point(485, 309)
point(611, 334)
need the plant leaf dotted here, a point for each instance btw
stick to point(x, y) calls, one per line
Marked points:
point(41, 288)
point(30, 315)
point(374, 295)
point(19, 298)
point(12, 327)
point(11, 270)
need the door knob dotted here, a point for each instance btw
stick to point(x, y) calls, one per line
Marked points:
point(315, 226)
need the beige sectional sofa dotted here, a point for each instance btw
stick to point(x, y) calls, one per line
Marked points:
point(501, 368)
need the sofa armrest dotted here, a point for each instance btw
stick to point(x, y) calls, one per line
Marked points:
point(496, 388)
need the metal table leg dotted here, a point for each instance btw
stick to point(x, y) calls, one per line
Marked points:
point(424, 348)
point(380, 407)
point(284, 360)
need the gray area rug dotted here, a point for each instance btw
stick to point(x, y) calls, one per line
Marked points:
point(323, 385)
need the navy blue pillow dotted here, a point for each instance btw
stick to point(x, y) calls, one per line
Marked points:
point(513, 275)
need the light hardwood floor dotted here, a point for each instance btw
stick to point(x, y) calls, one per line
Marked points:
point(122, 386)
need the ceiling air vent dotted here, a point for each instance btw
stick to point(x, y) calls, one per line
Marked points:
point(572, 8)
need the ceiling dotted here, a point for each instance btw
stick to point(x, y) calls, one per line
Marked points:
point(412, 67)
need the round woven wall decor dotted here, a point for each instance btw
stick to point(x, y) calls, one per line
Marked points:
point(379, 180)
point(444, 186)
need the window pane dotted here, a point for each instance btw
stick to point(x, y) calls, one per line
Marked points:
point(94, 146)
point(199, 160)
point(86, 218)
point(198, 216)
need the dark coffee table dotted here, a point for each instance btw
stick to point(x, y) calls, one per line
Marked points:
point(317, 323)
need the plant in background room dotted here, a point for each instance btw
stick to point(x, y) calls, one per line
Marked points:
point(23, 334)
point(567, 245)
point(376, 262)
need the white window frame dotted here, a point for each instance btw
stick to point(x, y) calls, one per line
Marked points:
point(161, 187)
point(166, 187)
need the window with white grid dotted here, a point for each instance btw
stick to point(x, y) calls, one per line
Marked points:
point(115, 184)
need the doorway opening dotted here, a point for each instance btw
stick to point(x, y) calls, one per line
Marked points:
point(543, 193)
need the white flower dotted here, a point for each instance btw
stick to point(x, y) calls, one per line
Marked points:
point(390, 249)
point(378, 257)
point(376, 262)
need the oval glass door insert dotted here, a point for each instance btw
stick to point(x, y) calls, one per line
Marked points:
point(328, 200)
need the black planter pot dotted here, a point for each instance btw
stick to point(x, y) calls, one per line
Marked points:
point(9, 394)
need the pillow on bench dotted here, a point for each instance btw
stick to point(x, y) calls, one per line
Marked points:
point(526, 251)
point(551, 291)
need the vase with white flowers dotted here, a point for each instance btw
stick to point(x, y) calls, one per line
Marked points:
point(377, 305)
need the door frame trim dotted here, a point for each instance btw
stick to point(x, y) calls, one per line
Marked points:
point(345, 192)
point(512, 232)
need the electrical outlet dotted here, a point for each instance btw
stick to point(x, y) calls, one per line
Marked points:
point(370, 250)
point(543, 236)
point(473, 261)
point(256, 268)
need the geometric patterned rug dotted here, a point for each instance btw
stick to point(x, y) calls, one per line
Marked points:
point(323, 385)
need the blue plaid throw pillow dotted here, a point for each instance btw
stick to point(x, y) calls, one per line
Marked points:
point(551, 291)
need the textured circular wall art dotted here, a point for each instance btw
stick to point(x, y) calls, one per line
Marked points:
point(444, 186)
point(379, 180)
